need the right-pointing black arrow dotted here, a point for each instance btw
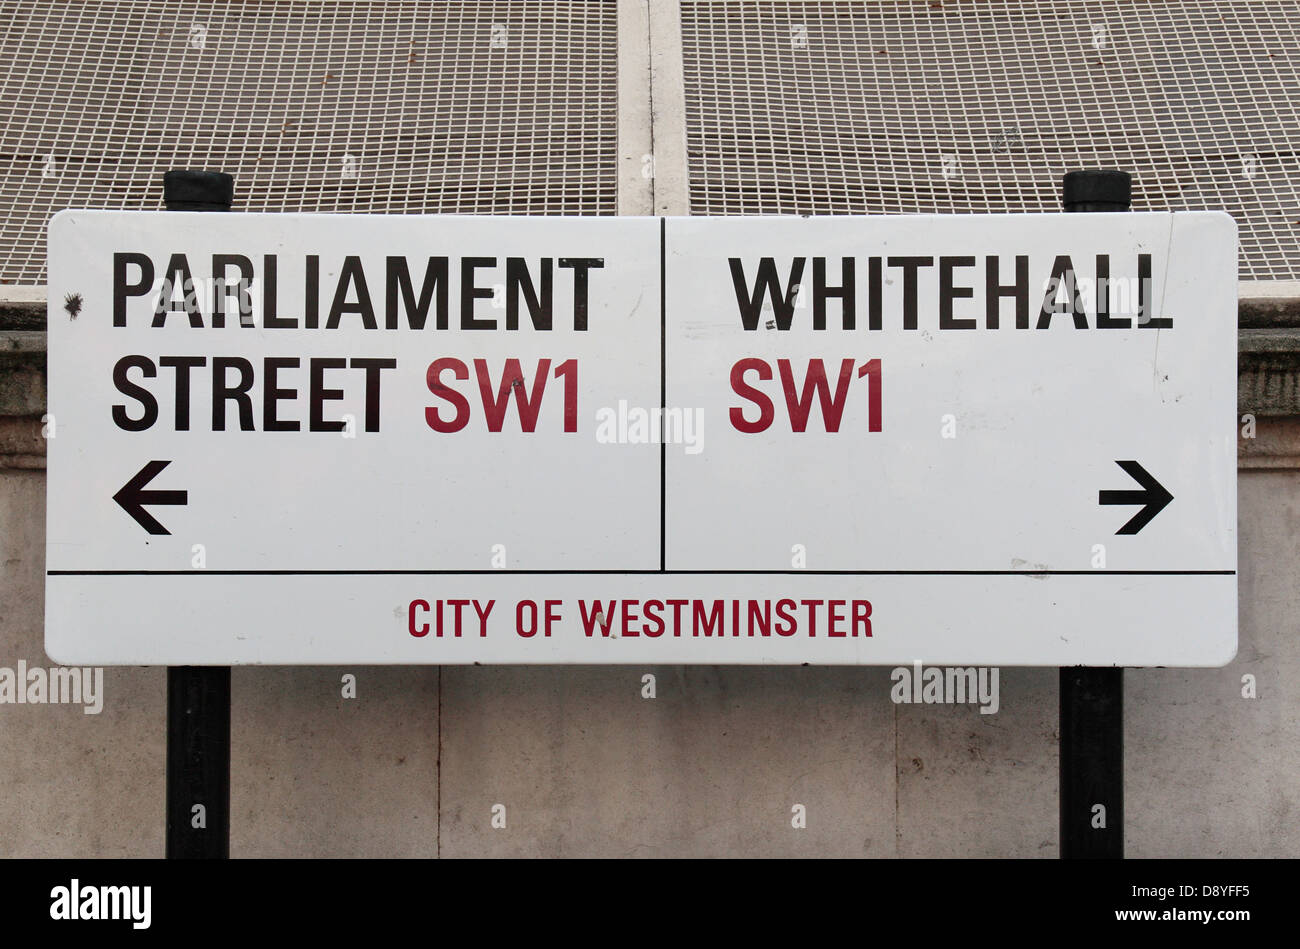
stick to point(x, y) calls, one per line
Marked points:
point(132, 497)
point(1153, 495)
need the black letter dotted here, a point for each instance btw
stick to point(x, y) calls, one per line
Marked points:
point(910, 265)
point(1145, 320)
point(269, 319)
point(580, 266)
point(1104, 320)
point(183, 365)
point(994, 291)
point(220, 289)
point(373, 368)
point(351, 273)
point(399, 281)
point(122, 289)
point(875, 289)
point(948, 293)
point(271, 394)
point(221, 392)
point(319, 394)
point(469, 293)
point(190, 301)
point(517, 279)
point(844, 292)
point(311, 293)
point(126, 387)
point(1062, 270)
point(766, 283)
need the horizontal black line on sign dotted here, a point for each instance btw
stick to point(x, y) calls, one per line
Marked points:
point(780, 573)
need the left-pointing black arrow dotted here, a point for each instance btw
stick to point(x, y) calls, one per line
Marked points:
point(133, 497)
point(1153, 495)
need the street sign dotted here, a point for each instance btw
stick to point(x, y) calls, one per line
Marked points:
point(323, 439)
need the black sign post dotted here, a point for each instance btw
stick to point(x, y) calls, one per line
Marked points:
point(1092, 699)
point(198, 697)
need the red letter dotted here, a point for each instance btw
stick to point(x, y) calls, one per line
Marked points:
point(812, 614)
point(569, 370)
point(861, 614)
point(746, 391)
point(629, 618)
point(800, 406)
point(600, 616)
point(423, 630)
point(652, 611)
point(512, 380)
point(530, 629)
point(873, 371)
point(451, 395)
point(835, 618)
point(551, 618)
point(783, 608)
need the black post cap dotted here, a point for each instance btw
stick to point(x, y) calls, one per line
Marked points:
point(189, 190)
point(1097, 190)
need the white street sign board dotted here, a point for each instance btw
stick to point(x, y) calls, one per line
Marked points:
point(323, 439)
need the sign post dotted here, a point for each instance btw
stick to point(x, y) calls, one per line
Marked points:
point(198, 697)
point(1092, 699)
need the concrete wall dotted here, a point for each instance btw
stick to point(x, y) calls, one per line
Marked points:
point(710, 767)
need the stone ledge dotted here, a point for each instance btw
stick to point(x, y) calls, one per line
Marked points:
point(1266, 310)
point(22, 315)
point(22, 373)
point(1268, 371)
point(21, 444)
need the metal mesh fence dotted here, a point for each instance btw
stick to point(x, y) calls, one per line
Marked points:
point(390, 107)
point(946, 107)
point(811, 106)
